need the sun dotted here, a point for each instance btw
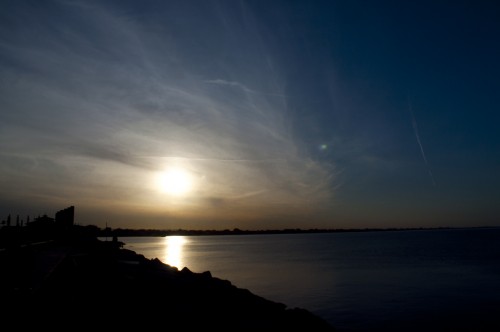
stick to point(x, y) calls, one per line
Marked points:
point(176, 182)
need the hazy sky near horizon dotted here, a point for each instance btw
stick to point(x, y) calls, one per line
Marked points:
point(270, 114)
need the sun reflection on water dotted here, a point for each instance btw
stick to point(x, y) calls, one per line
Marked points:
point(173, 250)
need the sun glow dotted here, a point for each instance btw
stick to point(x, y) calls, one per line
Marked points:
point(175, 182)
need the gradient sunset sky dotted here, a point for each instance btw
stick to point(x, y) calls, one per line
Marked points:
point(269, 114)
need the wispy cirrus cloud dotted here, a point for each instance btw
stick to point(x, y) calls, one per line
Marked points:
point(100, 90)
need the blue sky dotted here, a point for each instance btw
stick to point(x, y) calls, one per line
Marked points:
point(275, 113)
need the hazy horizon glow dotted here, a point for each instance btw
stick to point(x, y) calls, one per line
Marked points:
point(276, 115)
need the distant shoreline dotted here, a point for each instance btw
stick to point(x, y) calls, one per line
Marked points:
point(124, 232)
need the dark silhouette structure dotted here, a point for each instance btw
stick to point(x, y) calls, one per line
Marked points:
point(65, 218)
point(42, 228)
point(41, 222)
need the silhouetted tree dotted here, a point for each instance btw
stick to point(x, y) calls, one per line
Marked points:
point(8, 220)
point(17, 221)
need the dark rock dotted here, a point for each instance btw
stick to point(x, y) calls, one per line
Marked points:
point(185, 270)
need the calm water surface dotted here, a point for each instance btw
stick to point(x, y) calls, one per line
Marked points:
point(436, 280)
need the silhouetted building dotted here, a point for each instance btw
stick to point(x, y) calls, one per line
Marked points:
point(43, 221)
point(65, 218)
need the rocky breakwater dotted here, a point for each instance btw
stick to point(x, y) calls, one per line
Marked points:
point(100, 283)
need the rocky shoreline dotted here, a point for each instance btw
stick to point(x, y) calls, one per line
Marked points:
point(96, 282)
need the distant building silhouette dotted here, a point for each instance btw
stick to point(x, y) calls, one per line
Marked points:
point(43, 221)
point(41, 228)
point(65, 218)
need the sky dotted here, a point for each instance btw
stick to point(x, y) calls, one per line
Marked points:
point(251, 114)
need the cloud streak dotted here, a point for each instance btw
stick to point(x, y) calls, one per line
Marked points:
point(417, 137)
point(242, 87)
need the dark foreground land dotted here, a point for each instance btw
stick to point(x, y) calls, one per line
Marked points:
point(95, 284)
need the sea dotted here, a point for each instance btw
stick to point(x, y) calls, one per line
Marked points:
point(404, 280)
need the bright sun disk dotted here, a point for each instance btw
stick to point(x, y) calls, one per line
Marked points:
point(175, 182)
